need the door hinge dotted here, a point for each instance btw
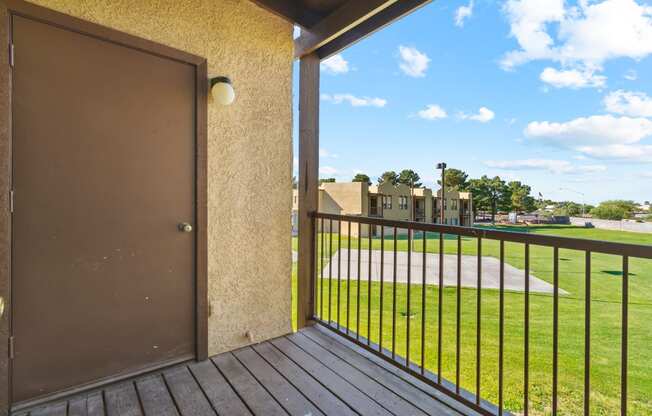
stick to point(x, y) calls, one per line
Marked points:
point(11, 200)
point(11, 55)
point(11, 348)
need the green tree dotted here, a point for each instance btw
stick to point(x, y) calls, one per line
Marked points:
point(410, 178)
point(361, 177)
point(327, 180)
point(490, 194)
point(614, 210)
point(390, 176)
point(455, 179)
point(570, 209)
point(521, 200)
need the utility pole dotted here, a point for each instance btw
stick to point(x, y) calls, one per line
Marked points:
point(442, 214)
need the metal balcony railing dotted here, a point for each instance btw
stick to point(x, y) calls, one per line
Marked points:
point(338, 282)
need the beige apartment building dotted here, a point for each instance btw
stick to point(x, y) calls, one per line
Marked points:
point(392, 202)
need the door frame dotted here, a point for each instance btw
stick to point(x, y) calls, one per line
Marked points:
point(9, 8)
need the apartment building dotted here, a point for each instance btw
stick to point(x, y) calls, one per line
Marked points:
point(392, 202)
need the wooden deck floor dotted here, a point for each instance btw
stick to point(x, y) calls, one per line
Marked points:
point(312, 372)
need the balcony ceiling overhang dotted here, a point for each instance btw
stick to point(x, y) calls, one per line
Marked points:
point(328, 26)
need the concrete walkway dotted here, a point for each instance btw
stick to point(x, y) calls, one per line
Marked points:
point(514, 278)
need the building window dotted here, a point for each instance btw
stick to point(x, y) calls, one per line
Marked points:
point(446, 221)
point(387, 202)
point(454, 204)
point(403, 202)
point(445, 204)
point(455, 221)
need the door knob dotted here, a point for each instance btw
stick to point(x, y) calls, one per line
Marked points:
point(185, 227)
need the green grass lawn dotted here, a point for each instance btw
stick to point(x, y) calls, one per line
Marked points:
point(605, 331)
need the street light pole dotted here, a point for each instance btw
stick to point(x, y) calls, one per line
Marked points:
point(442, 167)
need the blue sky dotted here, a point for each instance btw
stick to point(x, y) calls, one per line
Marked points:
point(554, 93)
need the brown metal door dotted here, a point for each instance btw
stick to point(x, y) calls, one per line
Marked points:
point(104, 159)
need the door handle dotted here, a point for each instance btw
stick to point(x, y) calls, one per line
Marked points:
point(184, 227)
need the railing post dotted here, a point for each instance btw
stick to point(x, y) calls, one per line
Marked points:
point(308, 184)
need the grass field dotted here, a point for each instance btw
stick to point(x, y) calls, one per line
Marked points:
point(605, 322)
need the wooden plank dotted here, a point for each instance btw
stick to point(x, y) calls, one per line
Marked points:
point(417, 397)
point(78, 407)
point(187, 394)
point(387, 398)
point(224, 400)
point(95, 404)
point(343, 19)
point(402, 374)
point(346, 391)
point(370, 26)
point(290, 11)
point(155, 397)
point(308, 183)
point(318, 394)
point(254, 395)
point(292, 400)
point(122, 400)
point(57, 409)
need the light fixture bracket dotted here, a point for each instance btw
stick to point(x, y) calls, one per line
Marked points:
point(219, 79)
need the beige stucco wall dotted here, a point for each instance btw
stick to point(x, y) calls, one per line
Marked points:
point(249, 150)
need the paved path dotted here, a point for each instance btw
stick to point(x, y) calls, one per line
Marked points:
point(514, 278)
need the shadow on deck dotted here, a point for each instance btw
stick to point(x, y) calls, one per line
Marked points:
point(312, 372)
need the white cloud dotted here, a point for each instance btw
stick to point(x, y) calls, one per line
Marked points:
point(572, 78)
point(413, 62)
point(328, 170)
point(433, 112)
point(354, 101)
point(462, 13)
point(635, 104)
point(631, 75)
point(594, 130)
point(484, 115)
point(603, 137)
point(335, 65)
point(325, 153)
point(549, 165)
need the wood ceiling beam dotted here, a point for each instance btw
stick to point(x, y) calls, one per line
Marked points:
point(374, 23)
point(345, 18)
point(291, 11)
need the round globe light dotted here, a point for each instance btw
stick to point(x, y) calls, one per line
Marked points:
point(222, 90)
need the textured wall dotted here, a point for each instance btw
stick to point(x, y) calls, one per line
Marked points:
point(249, 150)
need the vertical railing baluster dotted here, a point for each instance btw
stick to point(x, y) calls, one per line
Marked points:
point(440, 302)
point(330, 269)
point(409, 303)
point(478, 335)
point(623, 347)
point(587, 334)
point(357, 304)
point(423, 305)
point(369, 290)
point(394, 301)
point(526, 329)
point(501, 329)
point(555, 332)
point(339, 268)
point(458, 315)
point(321, 282)
point(382, 287)
point(348, 280)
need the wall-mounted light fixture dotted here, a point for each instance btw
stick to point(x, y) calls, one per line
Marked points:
point(222, 90)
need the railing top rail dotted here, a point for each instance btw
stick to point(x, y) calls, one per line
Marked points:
point(594, 246)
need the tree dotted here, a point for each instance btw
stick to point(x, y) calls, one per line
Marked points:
point(390, 176)
point(327, 180)
point(490, 194)
point(521, 201)
point(455, 179)
point(361, 177)
point(570, 209)
point(614, 210)
point(410, 178)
